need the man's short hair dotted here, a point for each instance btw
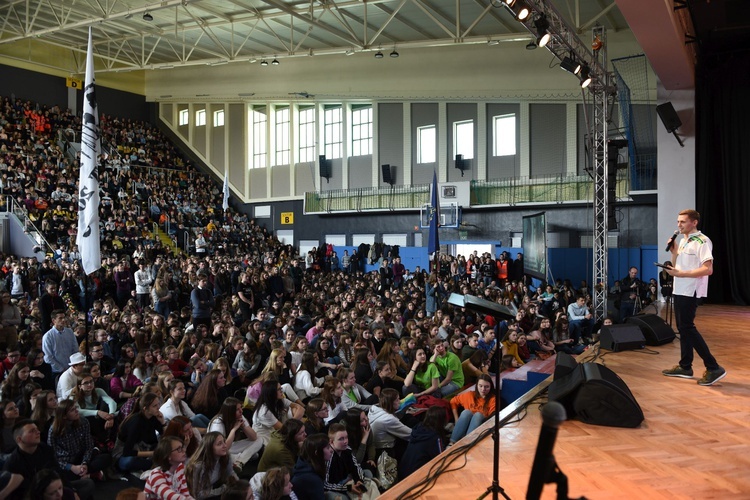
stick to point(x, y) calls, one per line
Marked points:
point(692, 214)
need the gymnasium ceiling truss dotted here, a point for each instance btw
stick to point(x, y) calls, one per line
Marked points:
point(137, 35)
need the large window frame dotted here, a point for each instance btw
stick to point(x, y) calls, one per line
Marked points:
point(463, 139)
point(183, 117)
point(426, 144)
point(306, 134)
point(219, 118)
point(362, 130)
point(282, 118)
point(504, 135)
point(200, 118)
point(333, 125)
point(259, 123)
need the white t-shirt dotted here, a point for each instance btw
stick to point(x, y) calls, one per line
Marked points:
point(263, 420)
point(695, 249)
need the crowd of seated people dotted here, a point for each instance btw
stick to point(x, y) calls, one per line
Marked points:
point(185, 369)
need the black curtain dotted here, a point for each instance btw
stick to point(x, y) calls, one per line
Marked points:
point(723, 171)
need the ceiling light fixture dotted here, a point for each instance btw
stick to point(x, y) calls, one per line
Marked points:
point(147, 17)
point(542, 25)
point(585, 76)
point(493, 42)
point(570, 65)
point(378, 55)
point(264, 63)
point(394, 53)
point(531, 45)
point(275, 62)
point(350, 52)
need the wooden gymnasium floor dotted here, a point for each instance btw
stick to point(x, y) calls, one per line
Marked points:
point(694, 442)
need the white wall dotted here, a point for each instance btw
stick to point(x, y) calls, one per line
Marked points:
point(676, 177)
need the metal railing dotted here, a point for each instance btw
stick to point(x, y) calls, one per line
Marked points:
point(509, 191)
point(12, 206)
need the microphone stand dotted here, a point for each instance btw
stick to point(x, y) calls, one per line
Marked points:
point(495, 487)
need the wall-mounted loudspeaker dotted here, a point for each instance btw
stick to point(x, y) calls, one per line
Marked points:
point(388, 174)
point(668, 116)
point(325, 167)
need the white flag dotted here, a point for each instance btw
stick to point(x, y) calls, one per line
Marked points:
point(225, 204)
point(88, 186)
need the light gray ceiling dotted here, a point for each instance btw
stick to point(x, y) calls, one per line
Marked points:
point(193, 32)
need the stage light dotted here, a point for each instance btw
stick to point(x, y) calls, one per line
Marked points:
point(542, 25)
point(394, 53)
point(520, 10)
point(378, 55)
point(148, 17)
point(531, 45)
point(264, 63)
point(275, 62)
point(585, 76)
point(570, 65)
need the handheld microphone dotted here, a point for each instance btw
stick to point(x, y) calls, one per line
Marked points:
point(671, 241)
point(553, 414)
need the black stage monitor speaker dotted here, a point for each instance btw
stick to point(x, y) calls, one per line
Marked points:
point(621, 338)
point(668, 116)
point(654, 328)
point(594, 394)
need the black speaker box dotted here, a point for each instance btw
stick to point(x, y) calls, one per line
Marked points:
point(621, 338)
point(668, 116)
point(387, 174)
point(594, 394)
point(325, 167)
point(654, 328)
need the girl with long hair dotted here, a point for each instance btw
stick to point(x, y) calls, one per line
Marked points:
point(175, 405)
point(182, 428)
point(284, 374)
point(143, 366)
point(316, 413)
point(209, 395)
point(284, 446)
point(360, 438)
point(247, 361)
point(390, 353)
point(276, 484)
point(209, 472)
point(310, 469)
point(96, 406)
point(362, 365)
point(355, 396)
point(388, 431)
point(138, 434)
point(44, 410)
point(123, 382)
point(12, 387)
point(427, 441)
point(476, 365)
point(332, 394)
point(28, 399)
point(167, 480)
point(41, 371)
point(477, 406)
point(233, 426)
point(306, 384)
point(424, 377)
point(273, 409)
point(70, 438)
point(8, 417)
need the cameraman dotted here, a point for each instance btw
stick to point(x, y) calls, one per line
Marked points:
point(631, 289)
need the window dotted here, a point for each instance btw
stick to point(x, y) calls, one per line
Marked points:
point(282, 136)
point(219, 118)
point(306, 134)
point(426, 145)
point(259, 119)
point(184, 116)
point(463, 139)
point(332, 125)
point(504, 135)
point(200, 118)
point(362, 131)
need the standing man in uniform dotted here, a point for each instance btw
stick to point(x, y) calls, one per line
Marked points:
point(692, 264)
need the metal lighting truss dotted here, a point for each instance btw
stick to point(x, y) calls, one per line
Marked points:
point(564, 42)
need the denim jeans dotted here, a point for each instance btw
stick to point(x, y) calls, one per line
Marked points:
point(131, 464)
point(201, 421)
point(466, 423)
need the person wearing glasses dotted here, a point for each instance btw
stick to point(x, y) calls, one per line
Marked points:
point(167, 480)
